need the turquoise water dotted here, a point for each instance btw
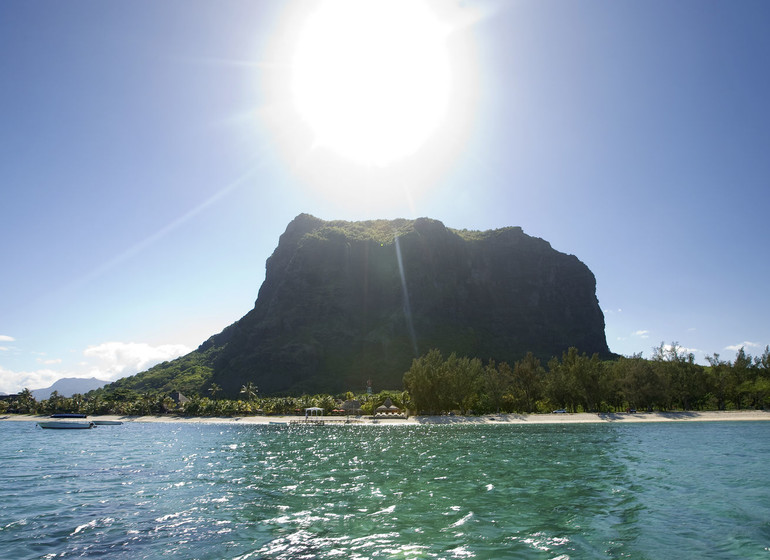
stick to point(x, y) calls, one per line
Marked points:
point(695, 490)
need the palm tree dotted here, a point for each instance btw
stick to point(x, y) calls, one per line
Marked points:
point(54, 402)
point(77, 402)
point(168, 404)
point(148, 400)
point(25, 402)
point(214, 389)
point(250, 390)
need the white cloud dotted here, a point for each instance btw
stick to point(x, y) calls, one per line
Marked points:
point(113, 360)
point(14, 381)
point(6, 338)
point(745, 344)
point(108, 361)
point(642, 333)
point(4, 348)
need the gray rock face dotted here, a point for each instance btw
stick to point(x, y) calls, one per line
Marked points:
point(69, 386)
point(347, 302)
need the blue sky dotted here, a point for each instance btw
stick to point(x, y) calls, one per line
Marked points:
point(151, 156)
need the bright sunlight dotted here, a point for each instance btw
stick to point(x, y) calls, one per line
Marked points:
point(371, 78)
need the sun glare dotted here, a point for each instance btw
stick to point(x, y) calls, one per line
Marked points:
point(371, 78)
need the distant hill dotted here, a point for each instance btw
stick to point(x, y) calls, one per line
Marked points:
point(68, 386)
point(346, 302)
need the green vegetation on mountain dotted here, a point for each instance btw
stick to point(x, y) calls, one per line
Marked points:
point(191, 374)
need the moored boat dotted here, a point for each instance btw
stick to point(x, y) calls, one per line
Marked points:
point(68, 415)
point(106, 422)
point(66, 425)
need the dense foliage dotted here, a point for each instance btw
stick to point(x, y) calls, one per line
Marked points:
point(126, 402)
point(671, 380)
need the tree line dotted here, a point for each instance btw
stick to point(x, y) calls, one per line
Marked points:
point(126, 402)
point(670, 380)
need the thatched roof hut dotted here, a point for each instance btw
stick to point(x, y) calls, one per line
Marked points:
point(387, 408)
point(178, 397)
point(351, 406)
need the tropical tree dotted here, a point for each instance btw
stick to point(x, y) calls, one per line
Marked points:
point(249, 390)
point(54, 403)
point(559, 385)
point(639, 383)
point(463, 377)
point(719, 380)
point(214, 389)
point(741, 374)
point(685, 379)
point(497, 382)
point(25, 403)
point(528, 380)
point(424, 381)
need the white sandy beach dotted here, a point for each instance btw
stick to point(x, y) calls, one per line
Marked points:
point(579, 418)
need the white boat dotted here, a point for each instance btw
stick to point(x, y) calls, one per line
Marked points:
point(54, 425)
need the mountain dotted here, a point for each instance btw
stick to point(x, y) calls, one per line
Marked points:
point(68, 386)
point(347, 302)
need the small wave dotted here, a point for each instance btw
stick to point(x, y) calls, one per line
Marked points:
point(89, 525)
point(387, 510)
point(462, 521)
point(93, 524)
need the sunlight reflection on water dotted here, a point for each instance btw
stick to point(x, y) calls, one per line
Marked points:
point(588, 491)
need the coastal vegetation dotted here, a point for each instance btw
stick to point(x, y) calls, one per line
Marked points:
point(435, 384)
point(670, 380)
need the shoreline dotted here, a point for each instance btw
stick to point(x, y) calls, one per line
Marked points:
point(508, 419)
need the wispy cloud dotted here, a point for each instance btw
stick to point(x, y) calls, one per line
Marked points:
point(642, 333)
point(49, 362)
point(745, 344)
point(6, 338)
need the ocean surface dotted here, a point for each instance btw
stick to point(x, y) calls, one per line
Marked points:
point(228, 491)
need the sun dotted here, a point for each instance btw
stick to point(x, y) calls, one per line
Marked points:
point(371, 78)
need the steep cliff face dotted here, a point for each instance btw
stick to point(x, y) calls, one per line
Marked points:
point(345, 302)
